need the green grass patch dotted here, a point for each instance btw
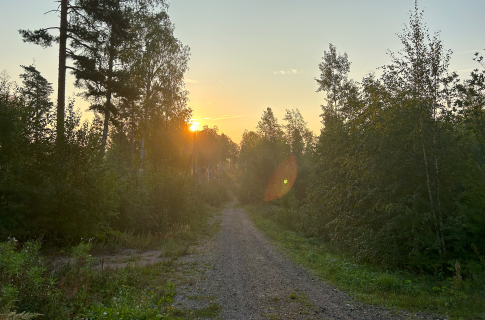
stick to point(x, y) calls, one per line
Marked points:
point(395, 289)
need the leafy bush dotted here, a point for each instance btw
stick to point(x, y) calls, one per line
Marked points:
point(24, 280)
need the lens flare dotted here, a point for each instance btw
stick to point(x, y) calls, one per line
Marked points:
point(282, 180)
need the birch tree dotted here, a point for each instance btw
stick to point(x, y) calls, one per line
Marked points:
point(419, 75)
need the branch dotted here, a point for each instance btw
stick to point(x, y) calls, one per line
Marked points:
point(40, 37)
point(72, 68)
point(55, 10)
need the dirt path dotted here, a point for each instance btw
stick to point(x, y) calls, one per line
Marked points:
point(242, 272)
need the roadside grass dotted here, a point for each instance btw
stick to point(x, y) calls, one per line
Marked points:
point(34, 286)
point(394, 289)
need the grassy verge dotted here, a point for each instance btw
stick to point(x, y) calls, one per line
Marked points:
point(395, 289)
point(35, 286)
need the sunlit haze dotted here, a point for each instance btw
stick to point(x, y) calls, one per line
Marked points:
point(193, 126)
point(250, 55)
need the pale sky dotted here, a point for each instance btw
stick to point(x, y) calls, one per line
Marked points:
point(250, 55)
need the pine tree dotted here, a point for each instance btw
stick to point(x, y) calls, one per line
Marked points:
point(44, 38)
point(36, 93)
point(97, 53)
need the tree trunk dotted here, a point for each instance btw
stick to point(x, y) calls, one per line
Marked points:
point(108, 101)
point(193, 155)
point(120, 142)
point(142, 156)
point(61, 82)
point(440, 216)
point(436, 156)
point(428, 184)
point(222, 170)
point(144, 128)
point(106, 121)
point(105, 125)
point(132, 132)
point(133, 169)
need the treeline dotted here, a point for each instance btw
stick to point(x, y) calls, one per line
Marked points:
point(214, 165)
point(397, 174)
point(130, 167)
point(265, 150)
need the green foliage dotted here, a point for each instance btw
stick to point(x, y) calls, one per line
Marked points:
point(72, 192)
point(23, 279)
point(157, 202)
point(214, 192)
point(32, 286)
point(211, 311)
point(61, 195)
point(64, 181)
point(80, 254)
point(214, 165)
point(263, 151)
point(372, 284)
point(122, 306)
point(80, 185)
point(113, 239)
point(388, 282)
point(396, 174)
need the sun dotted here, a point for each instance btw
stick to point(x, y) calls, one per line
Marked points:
point(193, 127)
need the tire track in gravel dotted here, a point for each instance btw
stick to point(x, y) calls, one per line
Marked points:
point(251, 280)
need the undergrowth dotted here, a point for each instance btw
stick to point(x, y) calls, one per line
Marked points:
point(77, 286)
point(396, 289)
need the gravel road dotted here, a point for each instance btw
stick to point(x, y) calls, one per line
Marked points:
point(243, 272)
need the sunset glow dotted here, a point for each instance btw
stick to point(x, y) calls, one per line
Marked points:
point(193, 126)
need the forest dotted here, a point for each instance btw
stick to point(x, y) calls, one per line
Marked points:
point(394, 179)
point(396, 175)
point(63, 179)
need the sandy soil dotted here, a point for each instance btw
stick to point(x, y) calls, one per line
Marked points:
point(242, 271)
